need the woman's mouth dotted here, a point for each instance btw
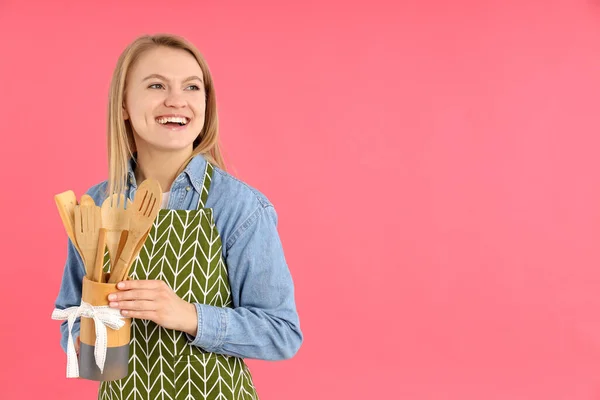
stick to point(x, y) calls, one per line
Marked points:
point(173, 122)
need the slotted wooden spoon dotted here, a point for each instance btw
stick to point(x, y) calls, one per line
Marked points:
point(143, 212)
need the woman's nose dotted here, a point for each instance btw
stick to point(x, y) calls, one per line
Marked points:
point(175, 99)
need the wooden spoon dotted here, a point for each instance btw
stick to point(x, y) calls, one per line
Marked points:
point(115, 219)
point(146, 205)
point(66, 203)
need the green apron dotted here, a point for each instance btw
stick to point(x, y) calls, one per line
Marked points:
point(183, 249)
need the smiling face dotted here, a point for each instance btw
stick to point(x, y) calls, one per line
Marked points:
point(165, 100)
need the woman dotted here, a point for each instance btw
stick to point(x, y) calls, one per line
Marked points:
point(218, 290)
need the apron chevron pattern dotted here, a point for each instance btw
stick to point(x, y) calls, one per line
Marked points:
point(183, 249)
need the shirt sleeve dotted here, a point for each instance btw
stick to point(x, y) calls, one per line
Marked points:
point(264, 323)
point(70, 291)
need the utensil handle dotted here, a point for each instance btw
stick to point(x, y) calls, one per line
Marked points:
point(121, 268)
point(121, 245)
point(98, 266)
point(137, 250)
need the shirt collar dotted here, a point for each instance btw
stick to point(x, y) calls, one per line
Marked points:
point(194, 172)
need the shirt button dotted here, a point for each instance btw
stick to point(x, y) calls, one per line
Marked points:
point(187, 188)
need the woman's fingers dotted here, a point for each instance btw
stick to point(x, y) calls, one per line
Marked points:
point(135, 305)
point(135, 294)
point(150, 315)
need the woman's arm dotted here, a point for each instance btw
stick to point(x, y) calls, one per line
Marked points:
point(264, 323)
point(70, 291)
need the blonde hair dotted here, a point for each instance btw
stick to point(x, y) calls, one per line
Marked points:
point(121, 145)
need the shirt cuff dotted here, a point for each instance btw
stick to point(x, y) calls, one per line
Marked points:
point(212, 326)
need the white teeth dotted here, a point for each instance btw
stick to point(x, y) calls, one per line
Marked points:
point(164, 120)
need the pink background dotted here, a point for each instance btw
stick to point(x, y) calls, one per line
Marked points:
point(434, 165)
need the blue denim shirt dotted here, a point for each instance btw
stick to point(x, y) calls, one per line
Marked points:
point(263, 323)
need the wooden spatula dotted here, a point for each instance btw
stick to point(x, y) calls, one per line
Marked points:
point(146, 205)
point(115, 219)
point(66, 202)
point(88, 222)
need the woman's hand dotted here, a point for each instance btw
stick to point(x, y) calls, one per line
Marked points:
point(155, 301)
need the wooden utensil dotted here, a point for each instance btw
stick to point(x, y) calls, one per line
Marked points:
point(98, 275)
point(99, 261)
point(137, 250)
point(88, 222)
point(146, 205)
point(122, 241)
point(66, 202)
point(115, 219)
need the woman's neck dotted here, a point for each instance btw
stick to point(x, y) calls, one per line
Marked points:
point(159, 165)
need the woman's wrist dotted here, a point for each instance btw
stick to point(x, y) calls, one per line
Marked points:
point(189, 320)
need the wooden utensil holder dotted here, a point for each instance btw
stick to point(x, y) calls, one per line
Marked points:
point(117, 352)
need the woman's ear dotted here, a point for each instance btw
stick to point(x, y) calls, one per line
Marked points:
point(125, 114)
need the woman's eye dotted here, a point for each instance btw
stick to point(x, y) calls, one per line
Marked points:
point(160, 86)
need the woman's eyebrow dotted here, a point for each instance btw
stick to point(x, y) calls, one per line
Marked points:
point(155, 76)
